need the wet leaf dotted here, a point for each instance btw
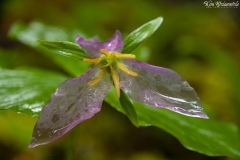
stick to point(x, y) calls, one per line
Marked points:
point(209, 137)
point(135, 38)
point(128, 108)
point(65, 48)
point(27, 91)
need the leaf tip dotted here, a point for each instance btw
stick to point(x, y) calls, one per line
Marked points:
point(159, 21)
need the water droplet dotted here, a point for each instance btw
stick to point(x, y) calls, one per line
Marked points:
point(54, 131)
point(39, 133)
point(186, 87)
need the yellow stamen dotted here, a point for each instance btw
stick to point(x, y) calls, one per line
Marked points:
point(115, 78)
point(110, 58)
point(104, 51)
point(126, 70)
point(92, 61)
point(125, 56)
point(106, 65)
point(95, 81)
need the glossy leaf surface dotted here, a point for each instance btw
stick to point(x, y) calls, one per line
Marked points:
point(128, 108)
point(27, 91)
point(135, 38)
point(64, 48)
point(72, 102)
point(162, 88)
point(209, 137)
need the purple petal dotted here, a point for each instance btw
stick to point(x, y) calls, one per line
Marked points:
point(73, 102)
point(93, 46)
point(160, 87)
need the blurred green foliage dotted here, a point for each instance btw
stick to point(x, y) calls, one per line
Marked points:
point(201, 44)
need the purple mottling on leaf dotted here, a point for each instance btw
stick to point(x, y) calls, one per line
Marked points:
point(160, 87)
point(93, 46)
point(73, 102)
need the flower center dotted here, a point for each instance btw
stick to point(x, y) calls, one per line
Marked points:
point(110, 59)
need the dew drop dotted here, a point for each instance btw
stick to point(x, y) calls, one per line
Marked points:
point(185, 87)
point(54, 131)
point(39, 133)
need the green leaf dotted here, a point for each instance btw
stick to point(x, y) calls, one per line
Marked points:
point(27, 91)
point(68, 49)
point(134, 39)
point(209, 137)
point(29, 34)
point(128, 108)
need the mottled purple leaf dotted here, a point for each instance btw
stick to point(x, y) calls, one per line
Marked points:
point(73, 102)
point(93, 46)
point(160, 87)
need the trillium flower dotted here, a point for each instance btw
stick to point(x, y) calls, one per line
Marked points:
point(78, 99)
